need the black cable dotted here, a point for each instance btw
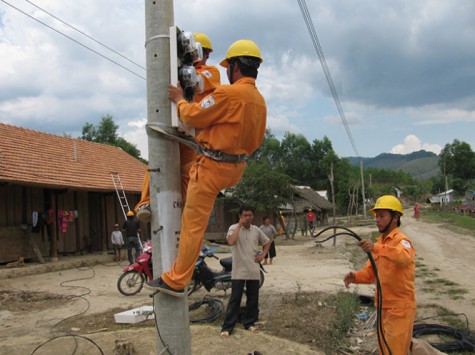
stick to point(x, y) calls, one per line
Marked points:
point(81, 296)
point(216, 309)
point(65, 336)
point(463, 340)
point(165, 346)
point(72, 39)
point(318, 48)
point(350, 233)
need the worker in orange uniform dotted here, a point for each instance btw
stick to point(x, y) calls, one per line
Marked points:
point(210, 79)
point(231, 123)
point(393, 255)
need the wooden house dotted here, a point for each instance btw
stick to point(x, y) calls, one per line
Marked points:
point(57, 194)
point(305, 199)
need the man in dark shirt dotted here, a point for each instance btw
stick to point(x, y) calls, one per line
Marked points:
point(131, 229)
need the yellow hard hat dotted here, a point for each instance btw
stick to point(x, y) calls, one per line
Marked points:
point(242, 48)
point(130, 214)
point(203, 39)
point(388, 202)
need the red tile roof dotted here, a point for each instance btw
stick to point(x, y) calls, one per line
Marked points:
point(29, 157)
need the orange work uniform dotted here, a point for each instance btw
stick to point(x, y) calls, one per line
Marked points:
point(394, 258)
point(232, 120)
point(211, 79)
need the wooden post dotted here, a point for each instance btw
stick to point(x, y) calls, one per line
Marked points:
point(171, 313)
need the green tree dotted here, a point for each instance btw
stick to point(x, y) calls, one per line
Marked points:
point(263, 187)
point(458, 159)
point(106, 132)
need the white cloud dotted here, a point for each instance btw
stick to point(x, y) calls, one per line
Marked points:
point(413, 144)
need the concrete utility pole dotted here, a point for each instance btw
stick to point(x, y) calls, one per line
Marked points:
point(362, 188)
point(171, 313)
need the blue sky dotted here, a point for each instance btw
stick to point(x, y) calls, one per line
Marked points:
point(404, 70)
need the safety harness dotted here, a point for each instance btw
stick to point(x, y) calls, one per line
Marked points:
point(174, 134)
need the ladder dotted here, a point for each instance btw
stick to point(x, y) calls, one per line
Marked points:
point(119, 189)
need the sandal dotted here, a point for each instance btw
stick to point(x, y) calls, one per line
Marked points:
point(253, 329)
point(224, 334)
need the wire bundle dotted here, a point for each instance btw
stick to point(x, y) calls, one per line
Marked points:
point(215, 307)
point(463, 339)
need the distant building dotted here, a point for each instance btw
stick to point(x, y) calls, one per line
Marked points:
point(57, 193)
point(443, 198)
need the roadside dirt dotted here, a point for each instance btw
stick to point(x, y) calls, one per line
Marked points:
point(35, 309)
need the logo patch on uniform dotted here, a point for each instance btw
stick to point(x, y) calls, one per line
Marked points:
point(207, 102)
point(207, 73)
point(406, 244)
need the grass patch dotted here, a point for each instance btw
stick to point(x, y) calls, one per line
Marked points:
point(435, 313)
point(443, 282)
point(347, 305)
point(450, 220)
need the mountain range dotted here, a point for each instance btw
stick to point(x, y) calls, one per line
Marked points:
point(420, 165)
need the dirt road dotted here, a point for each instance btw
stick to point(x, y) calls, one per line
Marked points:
point(443, 257)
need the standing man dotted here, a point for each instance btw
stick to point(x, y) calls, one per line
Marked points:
point(231, 123)
point(117, 242)
point(311, 221)
point(131, 229)
point(211, 79)
point(271, 233)
point(244, 237)
point(394, 256)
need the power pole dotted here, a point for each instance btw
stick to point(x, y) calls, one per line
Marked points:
point(171, 313)
point(362, 188)
point(331, 178)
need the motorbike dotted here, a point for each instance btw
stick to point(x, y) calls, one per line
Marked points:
point(203, 275)
point(135, 275)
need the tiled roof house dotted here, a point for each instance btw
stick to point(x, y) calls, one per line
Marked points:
point(42, 172)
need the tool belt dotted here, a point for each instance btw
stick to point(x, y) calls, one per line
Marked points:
point(220, 156)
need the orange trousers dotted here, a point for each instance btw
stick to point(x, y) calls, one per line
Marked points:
point(207, 178)
point(187, 157)
point(398, 324)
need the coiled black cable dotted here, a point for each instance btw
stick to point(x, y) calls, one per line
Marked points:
point(463, 339)
point(349, 232)
point(215, 307)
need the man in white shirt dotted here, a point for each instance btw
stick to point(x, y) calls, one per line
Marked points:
point(245, 238)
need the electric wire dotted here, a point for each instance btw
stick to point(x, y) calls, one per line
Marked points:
point(463, 340)
point(74, 40)
point(215, 307)
point(74, 336)
point(81, 296)
point(318, 48)
point(381, 338)
point(165, 346)
point(85, 34)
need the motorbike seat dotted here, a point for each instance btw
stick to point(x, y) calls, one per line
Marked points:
point(227, 263)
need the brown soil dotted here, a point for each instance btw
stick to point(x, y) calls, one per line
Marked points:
point(297, 301)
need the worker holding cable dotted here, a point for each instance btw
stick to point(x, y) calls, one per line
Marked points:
point(231, 123)
point(393, 255)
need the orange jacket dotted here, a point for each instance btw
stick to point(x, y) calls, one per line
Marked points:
point(394, 258)
point(211, 80)
point(232, 119)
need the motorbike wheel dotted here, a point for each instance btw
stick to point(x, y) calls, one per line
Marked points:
point(193, 286)
point(130, 283)
point(261, 278)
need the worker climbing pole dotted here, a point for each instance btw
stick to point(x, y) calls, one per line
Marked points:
point(171, 313)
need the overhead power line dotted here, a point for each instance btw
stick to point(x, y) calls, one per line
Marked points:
point(85, 34)
point(323, 62)
point(75, 41)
